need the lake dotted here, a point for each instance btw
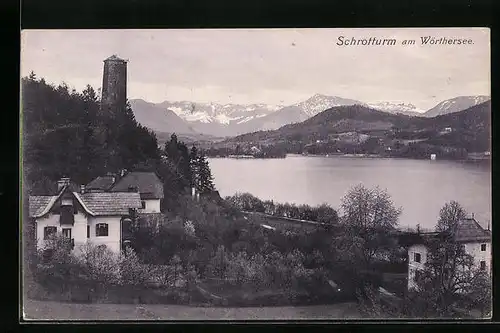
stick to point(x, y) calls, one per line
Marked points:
point(420, 187)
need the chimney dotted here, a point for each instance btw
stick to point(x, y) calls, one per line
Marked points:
point(488, 226)
point(62, 182)
point(193, 192)
point(82, 189)
point(112, 175)
point(473, 215)
point(122, 172)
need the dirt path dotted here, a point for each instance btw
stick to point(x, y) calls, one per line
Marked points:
point(38, 310)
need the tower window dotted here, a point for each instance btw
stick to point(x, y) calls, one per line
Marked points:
point(483, 247)
point(417, 257)
point(483, 265)
point(143, 204)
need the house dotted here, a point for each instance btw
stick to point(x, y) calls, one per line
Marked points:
point(82, 216)
point(149, 186)
point(476, 240)
point(102, 183)
point(255, 150)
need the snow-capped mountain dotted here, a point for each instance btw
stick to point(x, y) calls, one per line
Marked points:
point(207, 118)
point(455, 105)
point(391, 107)
point(219, 113)
point(319, 103)
point(234, 119)
point(159, 119)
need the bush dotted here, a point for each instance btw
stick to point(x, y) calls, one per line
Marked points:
point(132, 271)
point(99, 263)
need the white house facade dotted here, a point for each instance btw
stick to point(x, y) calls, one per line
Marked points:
point(476, 242)
point(82, 217)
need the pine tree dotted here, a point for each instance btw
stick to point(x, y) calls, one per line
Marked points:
point(193, 161)
point(205, 179)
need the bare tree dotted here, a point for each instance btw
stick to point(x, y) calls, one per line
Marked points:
point(369, 216)
point(449, 216)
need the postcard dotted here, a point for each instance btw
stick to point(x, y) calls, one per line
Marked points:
point(256, 174)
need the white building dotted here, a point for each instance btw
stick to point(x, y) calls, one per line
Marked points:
point(82, 216)
point(476, 240)
point(148, 184)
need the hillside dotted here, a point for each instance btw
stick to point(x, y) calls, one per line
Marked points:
point(66, 133)
point(335, 120)
point(334, 130)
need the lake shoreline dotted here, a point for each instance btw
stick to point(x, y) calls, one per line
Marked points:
point(371, 156)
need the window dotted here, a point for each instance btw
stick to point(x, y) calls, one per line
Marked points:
point(66, 232)
point(101, 229)
point(48, 231)
point(67, 215)
point(483, 247)
point(88, 231)
point(483, 265)
point(417, 257)
point(143, 204)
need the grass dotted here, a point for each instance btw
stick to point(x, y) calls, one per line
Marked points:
point(42, 310)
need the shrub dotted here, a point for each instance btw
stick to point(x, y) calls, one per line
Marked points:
point(100, 264)
point(132, 271)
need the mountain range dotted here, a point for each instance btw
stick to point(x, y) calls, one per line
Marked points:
point(227, 120)
point(470, 128)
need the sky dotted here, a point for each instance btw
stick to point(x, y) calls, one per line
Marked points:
point(272, 66)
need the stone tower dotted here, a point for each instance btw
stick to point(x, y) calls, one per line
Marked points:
point(114, 82)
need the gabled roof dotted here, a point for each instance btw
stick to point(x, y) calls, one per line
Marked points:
point(95, 204)
point(37, 203)
point(103, 183)
point(149, 184)
point(110, 203)
point(468, 230)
